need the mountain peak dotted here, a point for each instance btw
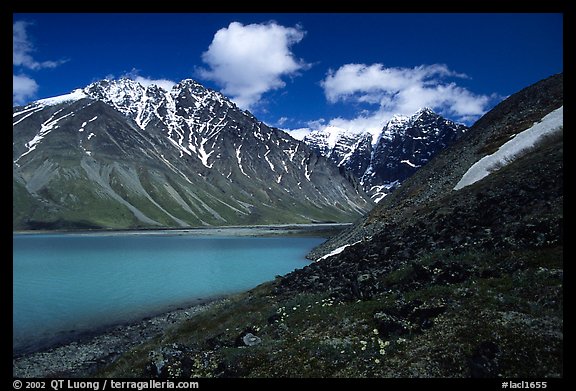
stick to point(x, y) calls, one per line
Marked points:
point(384, 159)
point(197, 94)
point(397, 121)
point(115, 90)
point(122, 82)
point(190, 83)
point(424, 111)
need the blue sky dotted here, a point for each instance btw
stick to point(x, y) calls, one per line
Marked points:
point(298, 71)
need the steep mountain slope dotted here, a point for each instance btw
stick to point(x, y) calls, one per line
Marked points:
point(384, 160)
point(437, 281)
point(117, 154)
point(438, 179)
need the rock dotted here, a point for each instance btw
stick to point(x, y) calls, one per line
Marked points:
point(423, 316)
point(452, 273)
point(169, 361)
point(411, 317)
point(248, 338)
point(218, 341)
point(274, 318)
point(251, 340)
point(420, 273)
point(156, 364)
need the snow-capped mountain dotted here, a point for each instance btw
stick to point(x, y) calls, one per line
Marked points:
point(382, 161)
point(117, 154)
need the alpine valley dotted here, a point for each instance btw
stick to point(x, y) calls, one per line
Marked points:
point(119, 155)
point(457, 273)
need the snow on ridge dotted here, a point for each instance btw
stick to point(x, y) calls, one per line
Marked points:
point(397, 121)
point(74, 95)
point(269, 162)
point(239, 159)
point(550, 123)
point(330, 136)
point(31, 111)
point(333, 135)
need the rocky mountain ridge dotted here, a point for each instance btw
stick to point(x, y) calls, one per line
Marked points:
point(383, 160)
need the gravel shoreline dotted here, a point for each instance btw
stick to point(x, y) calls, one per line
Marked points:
point(320, 229)
point(81, 358)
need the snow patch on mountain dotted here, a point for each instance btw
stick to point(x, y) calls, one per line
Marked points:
point(191, 114)
point(510, 150)
point(337, 251)
point(74, 95)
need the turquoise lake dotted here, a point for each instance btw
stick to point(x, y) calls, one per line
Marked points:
point(67, 284)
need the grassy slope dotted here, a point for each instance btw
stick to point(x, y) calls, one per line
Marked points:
point(79, 203)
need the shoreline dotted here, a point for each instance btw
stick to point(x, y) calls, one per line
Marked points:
point(86, 353)
point(229, 230)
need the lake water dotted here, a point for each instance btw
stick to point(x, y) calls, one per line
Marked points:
point(65, 284)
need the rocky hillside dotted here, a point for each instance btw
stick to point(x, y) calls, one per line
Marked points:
point(117, 154)
point(435, 282)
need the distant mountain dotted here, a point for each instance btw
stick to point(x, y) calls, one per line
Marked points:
point(116, 154)
point(384, 160)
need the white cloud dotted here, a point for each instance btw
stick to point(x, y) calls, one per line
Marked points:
point(281, 121)
point(373, 122)
point(400, 91)
point(23, 88)
point(22, 49)
point(134, 74)
point(299, 133)
point(162, 83)
point(250, 60)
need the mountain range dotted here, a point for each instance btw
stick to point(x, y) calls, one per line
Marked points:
point(117, 154)
point(383, 160)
